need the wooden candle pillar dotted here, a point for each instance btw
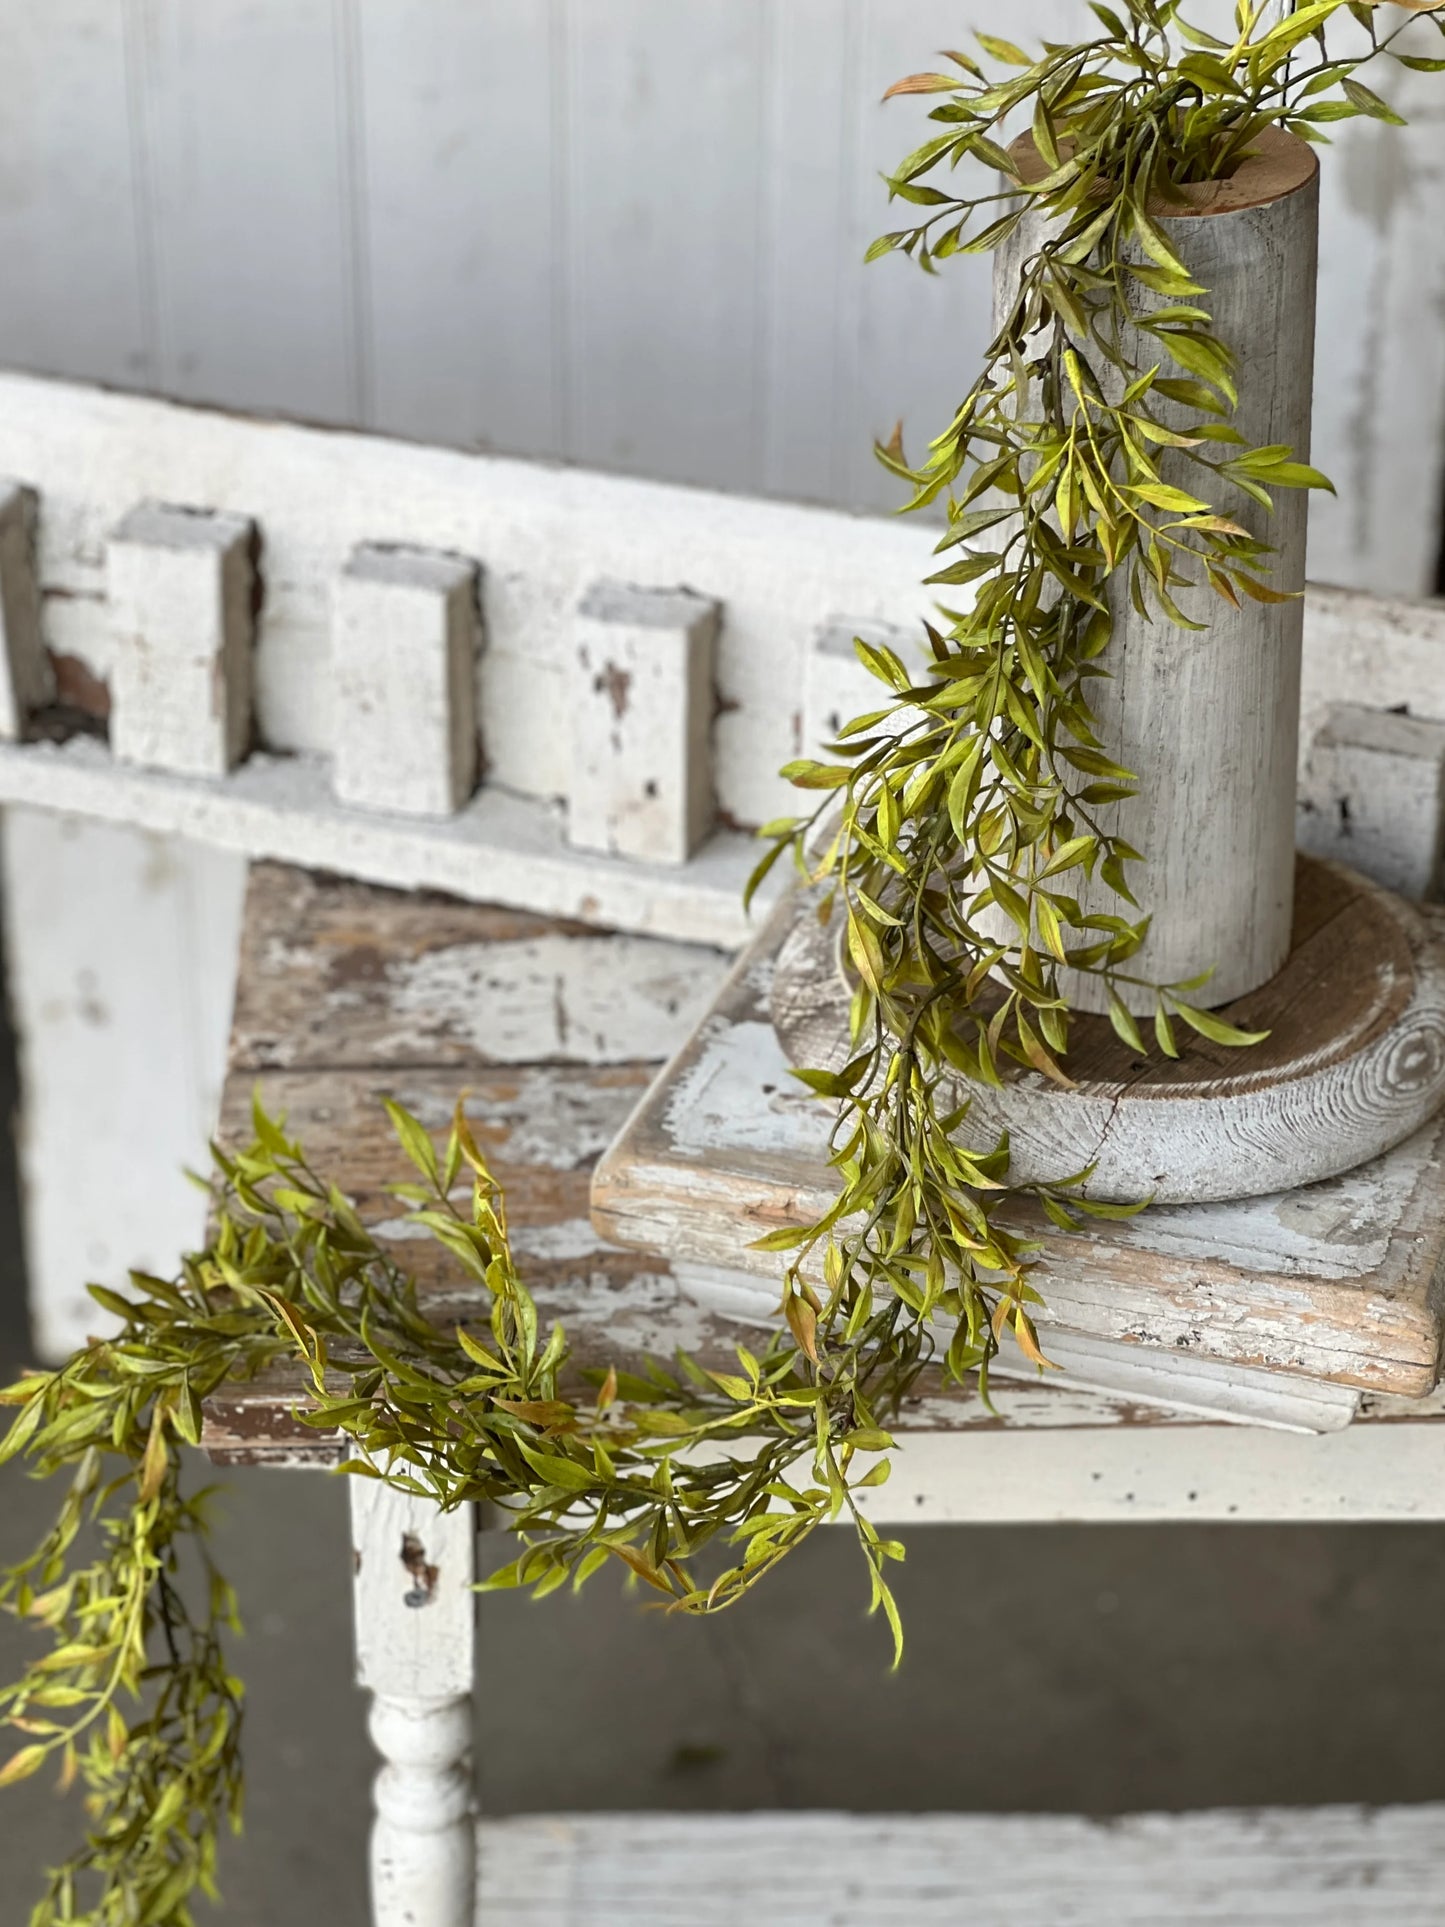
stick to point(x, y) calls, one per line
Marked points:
point(1209, 720)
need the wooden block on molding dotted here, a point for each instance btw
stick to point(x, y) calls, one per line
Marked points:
point(405, 635)
point(27, 680)
point(836, 685)
point(181, 588)
point(1373, 796)
point(642, 704)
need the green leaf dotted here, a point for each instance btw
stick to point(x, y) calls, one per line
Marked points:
point(1370, 103)
point(1004, 50)
point(1217, 1029)
point(413, 1139)
point(1122, 1019)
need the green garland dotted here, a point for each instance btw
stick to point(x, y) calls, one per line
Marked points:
point(964, 798)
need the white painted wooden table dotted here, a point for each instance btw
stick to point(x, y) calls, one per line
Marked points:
point(555, 1030)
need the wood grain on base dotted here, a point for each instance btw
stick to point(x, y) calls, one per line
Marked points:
point(1334, 1281)
point(1353, 1064)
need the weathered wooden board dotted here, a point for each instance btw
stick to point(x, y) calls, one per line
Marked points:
point(347, 990)
point(1336, 1281)
point(1319, 1867)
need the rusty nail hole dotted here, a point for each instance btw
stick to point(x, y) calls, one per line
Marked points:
point(424, 1577)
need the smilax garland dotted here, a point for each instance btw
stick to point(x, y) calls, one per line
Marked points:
point(952, 830)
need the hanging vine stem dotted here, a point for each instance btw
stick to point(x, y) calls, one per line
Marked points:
point(949, 825)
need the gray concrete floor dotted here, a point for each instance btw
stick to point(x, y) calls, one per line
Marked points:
point(1092, 1669)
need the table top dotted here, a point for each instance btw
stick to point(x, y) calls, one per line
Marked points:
point(553, 1032)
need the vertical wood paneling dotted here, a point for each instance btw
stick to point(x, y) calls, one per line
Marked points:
point(1380, 356)
point(464, 255)
point(249, 104)
point(665, 108)
point(918, 337)
point(809, 268)
point(72, 300)
point(623, 232)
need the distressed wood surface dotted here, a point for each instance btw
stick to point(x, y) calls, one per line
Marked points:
point(542, 535)
point(1335, 1281)
point(27, 675)
point(1373, 797)
point(181, 593)
point(1208, 719)
point(347, 990)
point(1320, 1867)
point(413, 1571)
point(640, 702)
point(1353, 1064)
point(405, 639)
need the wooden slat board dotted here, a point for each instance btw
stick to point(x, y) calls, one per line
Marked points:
point(1320, 1867)
point(1334, 1282)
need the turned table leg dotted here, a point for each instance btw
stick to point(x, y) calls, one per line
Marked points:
point(415, 1649)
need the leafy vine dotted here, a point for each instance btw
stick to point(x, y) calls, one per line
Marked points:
point(952, 828)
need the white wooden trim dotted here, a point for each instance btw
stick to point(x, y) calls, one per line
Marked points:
point(1152, 1474)
point(1320, 1867)
point(501, 848)
point(541, 535)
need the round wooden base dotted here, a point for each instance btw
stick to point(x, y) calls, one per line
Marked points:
point(1354, 1061)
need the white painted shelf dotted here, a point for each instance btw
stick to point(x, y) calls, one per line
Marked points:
point(501, 848)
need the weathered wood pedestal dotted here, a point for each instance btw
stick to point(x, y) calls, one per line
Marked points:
point(555, 1032)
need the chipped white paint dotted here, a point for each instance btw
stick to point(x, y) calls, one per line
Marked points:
point(405, 636)
point(1320, 1867)
point(1376, 651)
point(543, 535)
point(1373, 796)
point(179, 583)
point(640, 702)
point(595, 1000)
point(549, 1120)
point(416, 1655)
point(26, 677)
point(502, 848)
